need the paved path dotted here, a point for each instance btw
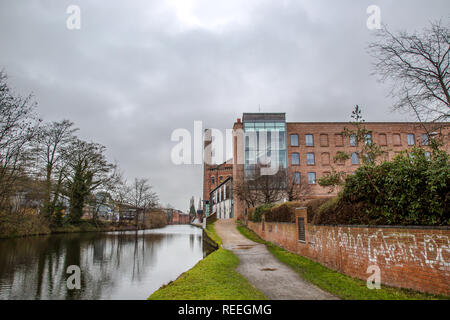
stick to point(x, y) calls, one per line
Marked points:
point(276, 280)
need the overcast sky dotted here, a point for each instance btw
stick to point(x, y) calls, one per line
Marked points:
point(137, 70)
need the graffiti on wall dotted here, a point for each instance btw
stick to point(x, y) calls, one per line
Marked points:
point(390, 248)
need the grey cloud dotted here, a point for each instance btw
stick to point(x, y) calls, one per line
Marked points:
point(135, 72)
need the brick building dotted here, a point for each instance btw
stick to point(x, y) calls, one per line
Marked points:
point(307, 149)
point(213, 174)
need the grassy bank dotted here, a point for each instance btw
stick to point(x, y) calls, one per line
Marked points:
point(213, 278)
point(332, 281)
point(34, 226)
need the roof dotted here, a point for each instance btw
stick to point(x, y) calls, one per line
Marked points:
point(264, 117)
point(224, 181)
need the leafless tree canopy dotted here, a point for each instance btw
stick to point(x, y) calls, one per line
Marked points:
point(418, 64)
point(264, 189)
point(18, 126)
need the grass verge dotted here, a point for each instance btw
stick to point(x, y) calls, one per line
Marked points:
point(343, 286)
point(213, 278)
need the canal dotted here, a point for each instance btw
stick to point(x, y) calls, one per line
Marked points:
point(113, 265)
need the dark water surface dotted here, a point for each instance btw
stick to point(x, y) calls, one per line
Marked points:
point(114, 265)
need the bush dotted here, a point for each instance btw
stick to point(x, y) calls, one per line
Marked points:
point(22, 224)
point(259, 211)
point(286, 212)
point(281, 213)
point(410, 190)
point(250, 214)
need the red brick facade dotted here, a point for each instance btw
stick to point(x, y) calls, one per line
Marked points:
point(178, 218)
point(327, 141)
point(416, 258)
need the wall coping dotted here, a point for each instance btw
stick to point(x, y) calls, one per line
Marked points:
point(367, 226)
point(382, 227)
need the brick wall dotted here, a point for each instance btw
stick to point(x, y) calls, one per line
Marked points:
point(416, 258)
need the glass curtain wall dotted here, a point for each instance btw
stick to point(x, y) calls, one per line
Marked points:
point(260, 147)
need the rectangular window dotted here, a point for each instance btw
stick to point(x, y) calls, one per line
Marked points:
point(325, 159)
point(353, 140)
point(411, 139)
point(310, 158)
point(427, 154)
point(295, 161)
point(309, 140)
point(339, 141)
point(294, 140)
point(297, 177)
point(324, 140)
point(425, 140)
point(368, 138)
point(397, 139)
point(311, 177)
point(382, 139)
point(355, 159)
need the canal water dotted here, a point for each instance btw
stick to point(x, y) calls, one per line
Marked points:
point(113, 265)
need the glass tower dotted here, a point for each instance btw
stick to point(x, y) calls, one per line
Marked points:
point(264, 142)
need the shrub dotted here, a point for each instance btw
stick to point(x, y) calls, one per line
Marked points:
point(313, 207)
point(259, 211)
point(286, 212)
point(413, 189)
point(281, 213)
point(250, 214)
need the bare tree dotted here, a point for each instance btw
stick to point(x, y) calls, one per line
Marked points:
point(296, 190)
point(257, 189)
point(141, 197)
point(18, 128)
point(88, 171)
point(54, 140)
point(418, 64)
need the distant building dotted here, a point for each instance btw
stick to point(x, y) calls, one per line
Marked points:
point(179, 217)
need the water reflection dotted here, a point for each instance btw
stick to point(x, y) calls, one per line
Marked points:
point(115, 265)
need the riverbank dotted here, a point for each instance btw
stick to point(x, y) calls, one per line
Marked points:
point(341, 285)
point(213, 278)
point(35, 227)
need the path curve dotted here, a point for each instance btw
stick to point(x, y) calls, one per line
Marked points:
point(275, 279)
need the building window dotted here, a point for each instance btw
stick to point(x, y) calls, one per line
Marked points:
point(297, 177)
point(295, 159)
point(425, 140)
point(309, 140)
point(325, 159)
point(294, 140)
point(355, 159)
point(397, 139)
point(353, 140)
point(427, 155)
point(383, 139)
point(310, 158)
point(411, 139)
point(368, 138)
point(212, 180)
point(339, 140)
point(311, 177)
point(220, 178)
point(324, 140)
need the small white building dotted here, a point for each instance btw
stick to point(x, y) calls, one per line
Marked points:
point(221, 200)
